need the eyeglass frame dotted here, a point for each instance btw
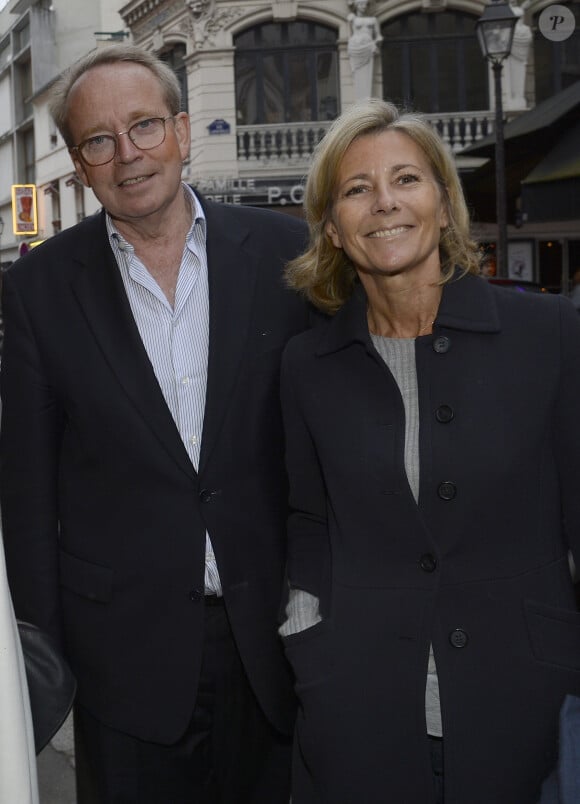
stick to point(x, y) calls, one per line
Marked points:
point(115, 137)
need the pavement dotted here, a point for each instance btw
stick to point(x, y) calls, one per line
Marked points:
point(55, 763)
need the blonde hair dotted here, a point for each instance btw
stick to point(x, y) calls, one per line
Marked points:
point(324, 273)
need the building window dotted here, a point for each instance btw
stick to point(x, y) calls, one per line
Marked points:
point(52, 190)
point(22, 37)
point(175, 59)
point(23, 90)
point(286, 73)
point(80, 201)
point(26, 156)
point(5, 54)
point(432, 63)
point(556, 64)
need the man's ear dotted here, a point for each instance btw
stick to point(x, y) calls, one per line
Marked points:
point(183, 133)
point(80, 169)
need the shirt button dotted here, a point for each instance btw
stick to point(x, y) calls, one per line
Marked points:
point(428, 563)
point(193, 439)
point(447, 490)
point(441, 344)
point(458, 638)
point(444, 414)
point(185, 380)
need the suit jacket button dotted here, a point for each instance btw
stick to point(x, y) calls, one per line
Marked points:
point(205, 495)
point(444, 414)
point(447, 490)
point(195, 595)
point(428, 563)
point(441, 344)
point(458, 638)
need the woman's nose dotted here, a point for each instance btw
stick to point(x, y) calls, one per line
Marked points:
point(385, 199)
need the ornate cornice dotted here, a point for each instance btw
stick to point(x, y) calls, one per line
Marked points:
point(206, 20)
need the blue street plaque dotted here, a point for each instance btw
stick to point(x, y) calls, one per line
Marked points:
point(219, 127)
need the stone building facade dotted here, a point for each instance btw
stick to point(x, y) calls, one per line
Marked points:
point(262, 80)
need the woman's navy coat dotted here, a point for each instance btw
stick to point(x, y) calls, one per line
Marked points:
point(479, 567)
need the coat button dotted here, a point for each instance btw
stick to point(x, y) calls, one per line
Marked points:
point(428, 562)
point(447, 490)
point(205, 495)
point(195, 595)
point(444, 414)
point(458, 638)
point(441, 344)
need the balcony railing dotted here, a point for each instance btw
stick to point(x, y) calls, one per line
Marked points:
point(291, 144)
point(282, 143)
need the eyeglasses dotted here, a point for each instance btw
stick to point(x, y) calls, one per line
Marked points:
point(102, 148)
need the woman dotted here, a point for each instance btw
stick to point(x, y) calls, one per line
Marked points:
point(433, 462)
point(18, 780)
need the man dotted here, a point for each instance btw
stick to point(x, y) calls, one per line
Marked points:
point(142, 484)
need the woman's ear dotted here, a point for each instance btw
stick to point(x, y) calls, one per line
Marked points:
point(332, 232)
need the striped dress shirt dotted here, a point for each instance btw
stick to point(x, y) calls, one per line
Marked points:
point(176, 338)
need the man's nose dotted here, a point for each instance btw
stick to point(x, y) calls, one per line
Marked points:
point(126, 149)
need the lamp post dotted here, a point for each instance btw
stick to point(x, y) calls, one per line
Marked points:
point(495, 33)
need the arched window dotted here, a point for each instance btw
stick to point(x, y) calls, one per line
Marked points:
point(556, 64)
point(433, 63)
point(286, 73)
point(174, 57)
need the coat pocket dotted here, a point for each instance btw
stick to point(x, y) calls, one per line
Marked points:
point(309, 654)
point(554, 634)
point(85, 578)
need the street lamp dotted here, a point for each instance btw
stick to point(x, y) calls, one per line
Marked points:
point(495, 33)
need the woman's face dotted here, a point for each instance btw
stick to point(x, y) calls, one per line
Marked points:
point(388, 212)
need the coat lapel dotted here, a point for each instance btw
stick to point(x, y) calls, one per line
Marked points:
point(99, 290)
point(232, 270)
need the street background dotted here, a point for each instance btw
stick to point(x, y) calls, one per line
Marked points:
point(55, 764)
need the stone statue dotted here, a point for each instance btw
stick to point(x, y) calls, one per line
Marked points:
point(516, 64)
point(362, 46)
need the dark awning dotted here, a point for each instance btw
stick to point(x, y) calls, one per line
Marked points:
point(551, 191)
point(542, 147)
point(559, 108)
point(562, 162)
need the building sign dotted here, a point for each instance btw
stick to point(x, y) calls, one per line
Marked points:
point(253, 192)
point(520, 258)
point(219, 127)
point(24, 213)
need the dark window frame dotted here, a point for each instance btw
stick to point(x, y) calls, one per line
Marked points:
point(437, 42)
point(287, 47)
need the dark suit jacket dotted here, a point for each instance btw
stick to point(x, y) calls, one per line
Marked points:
point(104, 516)
point(479, 567)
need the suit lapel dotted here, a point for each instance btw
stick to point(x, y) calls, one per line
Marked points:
point(99, 290)
point(232, 276)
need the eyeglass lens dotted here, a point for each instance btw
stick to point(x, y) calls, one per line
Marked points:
point(145, 134)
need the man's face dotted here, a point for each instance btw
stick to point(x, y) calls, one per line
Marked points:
point(135, 185)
